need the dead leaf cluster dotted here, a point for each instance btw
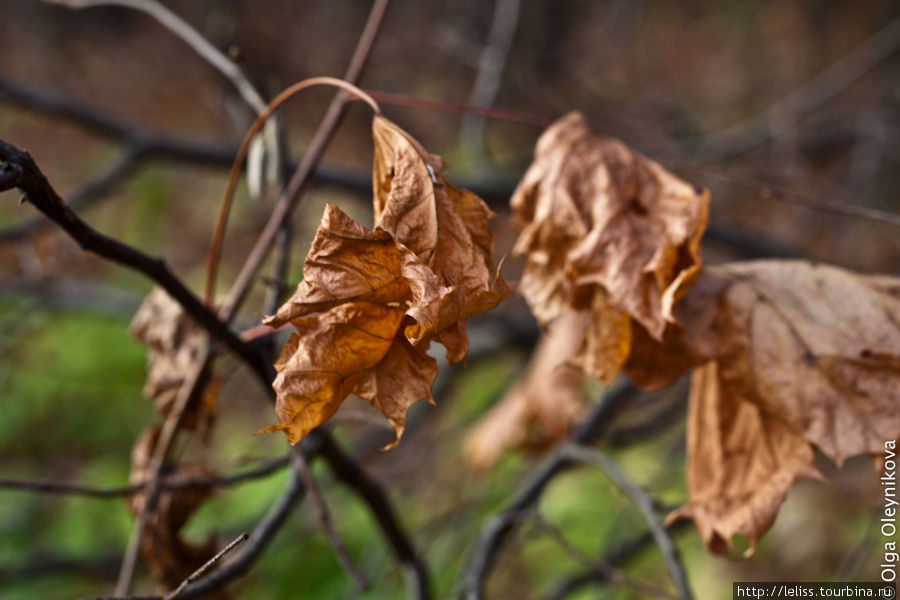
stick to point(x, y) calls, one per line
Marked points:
point(789, 358)
point(372, 301)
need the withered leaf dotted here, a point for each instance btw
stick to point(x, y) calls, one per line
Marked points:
point(607, 230)
point(806, 357)
point(741, 463)
point(371, 301)
point(445, 227)
point(173, 342)
point(170, 557)
point(541, 407)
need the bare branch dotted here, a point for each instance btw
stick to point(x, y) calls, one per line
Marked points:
point(189, 35)
point(302, 467)
point(618, 556)
point(292, 194)
point(100, 186)
point(490, 73)
point(262, 534)
point(495, 532)
point(69, 489)
point(808, 97)
point(369, 491)
point(645, 506)
point(206, 567)
point(603, 568)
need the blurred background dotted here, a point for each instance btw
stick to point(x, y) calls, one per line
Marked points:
point(789, 112)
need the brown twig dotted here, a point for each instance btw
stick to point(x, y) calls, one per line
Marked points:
point(262, 534)
point(302, 466)
point(368, 490)
point(206, 567)
point(461, 108)
point(215, 251)
point(71, 489)
point(292, 194)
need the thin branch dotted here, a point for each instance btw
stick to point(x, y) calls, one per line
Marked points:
point(495, 533)
point(491, 65)
point(618, 556)
point(302, 466)
point(645, 506)
point(158, 461)
point(262, 534)
point(488, 112)
point(189, 35)
point(18, 170)
point(215, 250)
point(292, 194)
point(70, 489)
point(369, 491)
point(808, 97)
point(206, 566)
point(603, 568)
point(767, 191)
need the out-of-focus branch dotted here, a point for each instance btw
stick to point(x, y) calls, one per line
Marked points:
point(100, 186)
point(491, 65)
point(370, 492)
point(601, 567)
point(262, 534)
point(618, 556)
point(496, 531)
point(644, 505)
point(803, 100)
point(189, 35)
point(315, 494)
point(70, 489)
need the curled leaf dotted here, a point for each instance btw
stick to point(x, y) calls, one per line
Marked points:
point(607, 230)
point(173, 342)
point(741, 463)
point(372, 301)
point(804, 357)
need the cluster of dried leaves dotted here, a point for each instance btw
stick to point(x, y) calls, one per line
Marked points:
point(788, 357)
point(372, 301)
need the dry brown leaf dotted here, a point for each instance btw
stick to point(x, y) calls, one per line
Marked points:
point(445, 227)
point(607, 230)
point(371, 302)
point(170, 558)
point(542, 406)
point(806, 357)
point(173, 341)
point(741, 463)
